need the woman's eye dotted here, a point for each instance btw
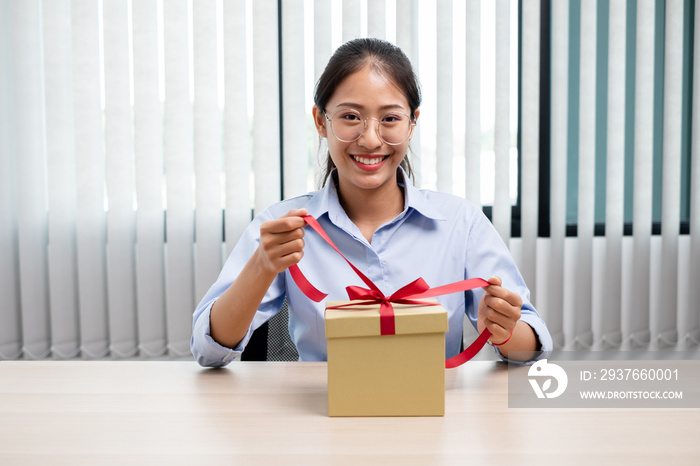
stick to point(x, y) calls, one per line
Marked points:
point(392, 119)
point(350, 117)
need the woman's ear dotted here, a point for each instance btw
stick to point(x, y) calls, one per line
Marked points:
point(416, 114)
point(319, 121)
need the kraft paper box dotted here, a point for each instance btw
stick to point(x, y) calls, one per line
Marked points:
point(370, 374)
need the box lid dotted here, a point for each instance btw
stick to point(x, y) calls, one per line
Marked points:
point(363, 319)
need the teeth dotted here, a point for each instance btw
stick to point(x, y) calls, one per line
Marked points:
point(366, 161)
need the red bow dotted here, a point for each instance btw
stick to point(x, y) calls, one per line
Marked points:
point(386, 310)
point(409, 294)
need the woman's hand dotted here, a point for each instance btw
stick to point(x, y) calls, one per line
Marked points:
point(499, 311)
point(281, 242)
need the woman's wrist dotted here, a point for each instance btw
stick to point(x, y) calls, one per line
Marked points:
point(503, 342)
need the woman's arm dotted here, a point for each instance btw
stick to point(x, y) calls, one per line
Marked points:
point(281, 245)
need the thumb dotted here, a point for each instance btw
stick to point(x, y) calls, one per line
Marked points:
point(495, 281)
point(296, 213)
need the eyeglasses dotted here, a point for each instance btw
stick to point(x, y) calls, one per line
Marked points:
point(347, 125)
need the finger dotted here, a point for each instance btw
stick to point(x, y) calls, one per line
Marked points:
point(283, 225)
point(287, 236)
point(287, 248)
point(495, 280)
point(500, 327)
point(291, 240)
point(496, 329)
point(498, 334)
point(505, 294)
point(291, 259)
point(281, 256)
point(295, 217)
point(295, 213)
point(504, 317)
point(281, 264)
point(502, 306)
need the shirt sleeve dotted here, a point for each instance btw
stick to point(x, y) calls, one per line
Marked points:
point(488, 256)
point(204, 348)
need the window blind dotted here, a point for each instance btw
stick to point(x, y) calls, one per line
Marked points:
point(11, 330)
point(606, 317)
point(29, 113)
point(586, 175)
point(149, 169)
point(529, 134)
point(61, 179)
point(178, 157)
point(502, 203)
point(120, 183)
point(690, 321)
point(237, 142)
point(558, 311)
point(663, 324)
point(91, 228)
point(636, 330)
point(444, 143)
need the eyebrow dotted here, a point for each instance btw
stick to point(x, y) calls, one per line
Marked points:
point(362, 107)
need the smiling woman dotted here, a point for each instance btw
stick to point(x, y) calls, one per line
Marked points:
point(366, 166)
point(397, 85)
point(376, 216)
point(373, 77)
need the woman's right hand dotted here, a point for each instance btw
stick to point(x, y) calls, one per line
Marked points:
point(282, 241)
point(281, 245)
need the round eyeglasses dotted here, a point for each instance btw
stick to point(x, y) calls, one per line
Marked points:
point(347, 125)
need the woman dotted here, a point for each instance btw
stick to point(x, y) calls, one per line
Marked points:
point(366, 106)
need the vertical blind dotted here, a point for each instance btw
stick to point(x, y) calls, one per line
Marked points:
point(689, 323)
point(138, 138)
point(557, 310)
point(622, 87)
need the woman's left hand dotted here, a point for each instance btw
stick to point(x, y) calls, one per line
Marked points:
point(499, 311)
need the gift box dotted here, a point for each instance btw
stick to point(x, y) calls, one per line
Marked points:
point(370, 374)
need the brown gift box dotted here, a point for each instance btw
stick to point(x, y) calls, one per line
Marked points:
point(370, 374)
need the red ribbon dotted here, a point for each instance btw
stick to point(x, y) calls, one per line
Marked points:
point(386, 310)
point(409, 294)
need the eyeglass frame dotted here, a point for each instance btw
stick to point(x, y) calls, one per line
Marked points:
point(412, 124)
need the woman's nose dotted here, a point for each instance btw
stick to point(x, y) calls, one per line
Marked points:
point(370, 136)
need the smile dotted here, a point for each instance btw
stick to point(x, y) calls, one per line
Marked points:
point(368, 160)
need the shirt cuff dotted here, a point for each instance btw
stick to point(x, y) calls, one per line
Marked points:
point(542, 335)
point(206, 350)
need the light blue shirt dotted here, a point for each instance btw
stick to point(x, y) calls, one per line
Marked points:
point(440, 237)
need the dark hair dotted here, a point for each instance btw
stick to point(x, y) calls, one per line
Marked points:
point(380, 55)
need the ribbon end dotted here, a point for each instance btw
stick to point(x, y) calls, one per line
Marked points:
point(470, 352)
point(305, 286)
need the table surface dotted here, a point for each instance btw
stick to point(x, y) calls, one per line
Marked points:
point(167, 412)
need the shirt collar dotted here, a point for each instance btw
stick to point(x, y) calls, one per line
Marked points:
point(417, 200)
point(326, 200)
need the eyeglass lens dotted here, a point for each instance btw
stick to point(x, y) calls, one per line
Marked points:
point(348, 126)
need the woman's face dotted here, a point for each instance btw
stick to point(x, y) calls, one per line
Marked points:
point(368, 162)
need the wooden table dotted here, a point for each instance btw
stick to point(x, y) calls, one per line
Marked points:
point(165, 412)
